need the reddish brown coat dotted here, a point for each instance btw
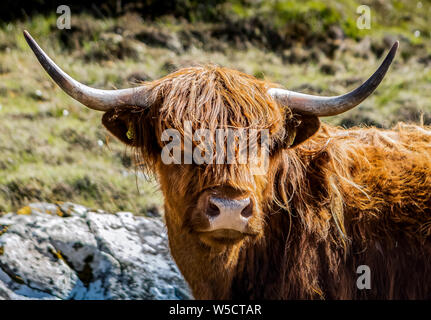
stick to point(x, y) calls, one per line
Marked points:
point(341, 199)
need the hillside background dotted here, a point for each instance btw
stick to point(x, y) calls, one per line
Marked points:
point(53, 149)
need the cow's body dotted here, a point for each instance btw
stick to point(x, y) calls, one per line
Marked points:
point(378, 186)
point(332, 200)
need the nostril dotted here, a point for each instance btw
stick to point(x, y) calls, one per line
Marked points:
point(212, 210)
point(247, 211)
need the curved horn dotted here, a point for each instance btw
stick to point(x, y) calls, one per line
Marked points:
point(102, 100)
point(331, 106)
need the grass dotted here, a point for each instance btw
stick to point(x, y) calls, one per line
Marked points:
point(54, 149)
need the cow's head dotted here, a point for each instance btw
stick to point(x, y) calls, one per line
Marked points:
point(217, 202)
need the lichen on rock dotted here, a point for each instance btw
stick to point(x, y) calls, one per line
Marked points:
point(85, 255)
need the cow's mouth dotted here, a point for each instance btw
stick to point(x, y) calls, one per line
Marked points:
point(223, 236)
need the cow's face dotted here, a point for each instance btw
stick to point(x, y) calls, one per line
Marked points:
point(219, 200)
point(217, 214)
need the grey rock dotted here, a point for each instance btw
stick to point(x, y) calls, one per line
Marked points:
point(67, 251)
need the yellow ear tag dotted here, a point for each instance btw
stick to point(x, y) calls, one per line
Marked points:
point(130, 134)
point(291, 135)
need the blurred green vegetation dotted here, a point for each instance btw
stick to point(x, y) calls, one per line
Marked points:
point(53, 149)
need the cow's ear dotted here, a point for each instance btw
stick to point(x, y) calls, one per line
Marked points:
point(302, 128)
point(121, 124)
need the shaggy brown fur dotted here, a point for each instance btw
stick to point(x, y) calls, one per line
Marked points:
point(341, 199)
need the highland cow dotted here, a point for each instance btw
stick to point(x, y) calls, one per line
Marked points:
point(331, 200)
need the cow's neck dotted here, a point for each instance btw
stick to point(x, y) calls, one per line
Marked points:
point(260, 272)
point(209, 272)
point(232, 272)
